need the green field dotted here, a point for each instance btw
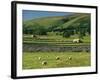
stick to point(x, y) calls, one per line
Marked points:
point(52, 39)
point(31, 59)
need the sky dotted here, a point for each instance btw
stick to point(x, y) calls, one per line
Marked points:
point(31, 14)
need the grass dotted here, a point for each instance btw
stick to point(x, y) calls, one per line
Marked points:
point(31, 59)
point(55, 40)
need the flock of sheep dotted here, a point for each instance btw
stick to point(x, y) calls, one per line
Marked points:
point(57, 58)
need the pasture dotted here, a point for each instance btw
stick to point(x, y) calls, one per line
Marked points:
point(33, 60)
point(52, 38)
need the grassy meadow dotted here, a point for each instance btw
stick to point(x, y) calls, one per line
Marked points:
point(79, 59)
point(54, 39)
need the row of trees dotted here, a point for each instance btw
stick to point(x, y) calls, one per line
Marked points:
point(34, 29)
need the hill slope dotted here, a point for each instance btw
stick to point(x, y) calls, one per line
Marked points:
point(59, 20)
point(59, 23)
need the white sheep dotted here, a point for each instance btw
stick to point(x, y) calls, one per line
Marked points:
point(57, 58)
point(70, 58)
point(77, 41)
point(39, 58)
point(44, 62)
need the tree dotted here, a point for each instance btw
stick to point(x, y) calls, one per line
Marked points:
point(34, 29)
point(66, 33)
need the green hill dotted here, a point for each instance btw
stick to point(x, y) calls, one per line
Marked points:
point(46, 22)
point(77, 19)
point(75, 23)
point(58, 20)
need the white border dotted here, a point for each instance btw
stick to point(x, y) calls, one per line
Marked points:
point(36, 72)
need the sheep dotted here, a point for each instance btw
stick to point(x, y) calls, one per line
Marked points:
point(77, 41)
point(70, 58)
point(39, 58)
point(44, 63)
point(57, 58)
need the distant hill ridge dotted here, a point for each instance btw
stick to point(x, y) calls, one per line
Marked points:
point(49, 21)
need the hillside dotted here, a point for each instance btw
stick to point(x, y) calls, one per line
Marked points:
point(77, 23)
point(59, 20)
point(84, 18)
point(46, 22)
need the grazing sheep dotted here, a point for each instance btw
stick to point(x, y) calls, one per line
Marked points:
point(77, 41)
point(39, 58)
point(44, 62)
point(57, 58)
point(70, 58)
